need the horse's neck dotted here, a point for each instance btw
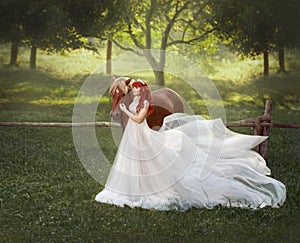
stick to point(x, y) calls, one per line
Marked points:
point(127, 99)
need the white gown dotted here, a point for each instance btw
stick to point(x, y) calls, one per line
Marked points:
point(189, 162)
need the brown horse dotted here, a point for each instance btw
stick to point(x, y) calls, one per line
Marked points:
point(165, 101)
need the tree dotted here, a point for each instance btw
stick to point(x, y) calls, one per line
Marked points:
point(287, 14)
point(161, 25)
point(253, 27)
point(11, 29)
point(98, 19)
point(37, 24)
point(247, 25)
point(115, 21)
point(48, 26)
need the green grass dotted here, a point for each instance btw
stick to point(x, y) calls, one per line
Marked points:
point(47, 196)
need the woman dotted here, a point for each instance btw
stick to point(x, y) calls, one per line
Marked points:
point(189, 162)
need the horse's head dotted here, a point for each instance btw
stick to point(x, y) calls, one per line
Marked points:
point(118, 89)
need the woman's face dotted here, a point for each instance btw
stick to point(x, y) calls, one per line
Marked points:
point(136, 91)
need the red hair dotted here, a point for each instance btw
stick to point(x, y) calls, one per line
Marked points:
point(145, 94)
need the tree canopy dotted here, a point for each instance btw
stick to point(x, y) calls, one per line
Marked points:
point(251, 27)
point(54, 25)
point(161, 25)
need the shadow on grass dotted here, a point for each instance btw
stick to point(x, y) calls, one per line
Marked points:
point(282, 90)
point(40, 95)
point(34, 93)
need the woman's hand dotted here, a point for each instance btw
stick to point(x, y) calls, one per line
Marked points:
point(123, 107)
point(140, 116)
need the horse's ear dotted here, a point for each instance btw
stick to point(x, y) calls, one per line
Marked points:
point(128, 81)
point(113, 79)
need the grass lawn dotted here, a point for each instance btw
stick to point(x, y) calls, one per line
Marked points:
point(46, 195)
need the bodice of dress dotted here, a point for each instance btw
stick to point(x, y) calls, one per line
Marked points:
point(133, 105)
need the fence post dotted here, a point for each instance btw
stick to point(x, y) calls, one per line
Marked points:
point(257, 130)
point(266, 129)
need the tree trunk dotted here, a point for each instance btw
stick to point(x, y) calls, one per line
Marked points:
point(108, 56)
point(160, 78)
point(281, 60)
point(157, 67)
point(266, 63)
point(13, 54)
point(33, 57)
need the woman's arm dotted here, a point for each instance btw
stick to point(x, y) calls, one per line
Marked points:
point(139, 117)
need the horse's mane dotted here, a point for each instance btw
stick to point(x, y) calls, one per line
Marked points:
point(119, 82)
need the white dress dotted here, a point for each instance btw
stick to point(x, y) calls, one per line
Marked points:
point(189, 162)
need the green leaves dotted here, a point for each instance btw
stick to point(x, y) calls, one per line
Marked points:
point(255, 26)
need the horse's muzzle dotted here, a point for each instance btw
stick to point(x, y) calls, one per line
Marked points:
point(115, 115)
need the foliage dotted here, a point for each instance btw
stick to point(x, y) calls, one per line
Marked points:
point(251, 27)
point(96, 18)
point(47, 196)
point(38, 23)
point(162, 25)
point(57, 26)
point(11, 20)
point(255, 26)
point(286, 14)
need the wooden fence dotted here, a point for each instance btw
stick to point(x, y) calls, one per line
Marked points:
point(261, 126)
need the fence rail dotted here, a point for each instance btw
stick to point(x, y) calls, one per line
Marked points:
point(61, 124)
point(114, 124)
point(261, 126)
